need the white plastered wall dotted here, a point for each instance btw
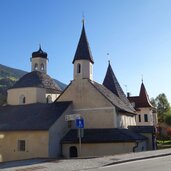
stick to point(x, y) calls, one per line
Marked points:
point(32, 95)
point(141, 112)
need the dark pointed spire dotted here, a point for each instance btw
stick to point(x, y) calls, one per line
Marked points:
point(143, 97)
point(83, 49)
point(110, 80)
point(111, 83)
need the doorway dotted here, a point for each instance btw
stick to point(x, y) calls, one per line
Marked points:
point(73, 151)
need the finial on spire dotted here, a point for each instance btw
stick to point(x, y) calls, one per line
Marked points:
point(83, 18)
point(108, 58)
point(142, 78)
point(40, 46)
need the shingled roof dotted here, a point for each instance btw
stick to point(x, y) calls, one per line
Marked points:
point(31, 117)
point(37, 79)
point(142, 129)
point(102, 136)
point(111, 83)
point(83, 50)
point(115, 100)
point(142, 100)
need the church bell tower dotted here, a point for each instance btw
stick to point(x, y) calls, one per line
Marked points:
point(83, 60)
point(39, 61)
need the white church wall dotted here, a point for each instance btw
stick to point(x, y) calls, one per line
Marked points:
point(32, 95)
point(97, 111)
point(144, 116)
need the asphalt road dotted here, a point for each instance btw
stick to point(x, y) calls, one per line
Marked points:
point(153, 164)
point(137, 162)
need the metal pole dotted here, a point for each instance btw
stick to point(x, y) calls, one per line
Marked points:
point(80, 140)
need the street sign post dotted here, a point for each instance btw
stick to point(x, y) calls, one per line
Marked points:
point(80, 125)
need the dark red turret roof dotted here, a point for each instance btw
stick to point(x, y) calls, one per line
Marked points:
point(83, 49)
point(111, 83)
point(142, 100)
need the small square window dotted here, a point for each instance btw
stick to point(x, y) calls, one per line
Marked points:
point(21, 145)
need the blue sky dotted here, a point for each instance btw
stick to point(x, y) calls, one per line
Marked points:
point(135, 33)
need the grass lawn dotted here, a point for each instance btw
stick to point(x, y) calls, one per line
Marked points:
point(164, 144)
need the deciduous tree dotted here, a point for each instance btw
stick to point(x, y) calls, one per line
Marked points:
point(163, 106)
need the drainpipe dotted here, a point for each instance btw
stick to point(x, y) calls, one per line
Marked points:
point(135, 146)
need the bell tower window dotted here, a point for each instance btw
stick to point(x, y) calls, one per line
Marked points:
point(78, 68)
point(42, 67)
point(36, 67)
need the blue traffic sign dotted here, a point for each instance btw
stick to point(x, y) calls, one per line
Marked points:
point(80, 123)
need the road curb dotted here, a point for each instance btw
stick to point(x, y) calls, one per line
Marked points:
point(136, 159)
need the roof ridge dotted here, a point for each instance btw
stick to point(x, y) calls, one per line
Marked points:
point(118, 102)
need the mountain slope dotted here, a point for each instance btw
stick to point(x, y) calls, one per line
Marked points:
point(7, 72)
point(8, 76)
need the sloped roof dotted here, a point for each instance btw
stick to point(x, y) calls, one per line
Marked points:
point(31, 117)
point(142, 100)
point(111, 82)
point(102, 136)
point(142, 129)
point(83, 50)
point(115, 100)
point(37, 79)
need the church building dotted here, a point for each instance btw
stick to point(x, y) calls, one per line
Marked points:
point(33, 124)
point(36, 86)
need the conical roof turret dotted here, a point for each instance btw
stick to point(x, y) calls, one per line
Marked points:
point(143, 96)
point(111, 83)
point(83, 51)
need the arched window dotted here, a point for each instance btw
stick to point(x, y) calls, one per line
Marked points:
point(78, 68)
point(42, 67)
point(36, 67)
point(49, 99)
point(22, 99)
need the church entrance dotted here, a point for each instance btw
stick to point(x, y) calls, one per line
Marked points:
point(73, 152)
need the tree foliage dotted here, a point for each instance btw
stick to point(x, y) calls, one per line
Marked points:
point(153, 102)
point(163, 107)
point(168, 118)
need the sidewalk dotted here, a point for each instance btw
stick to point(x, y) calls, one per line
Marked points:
point(79, 164)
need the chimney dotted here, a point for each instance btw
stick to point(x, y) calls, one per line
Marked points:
point(128, 94)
